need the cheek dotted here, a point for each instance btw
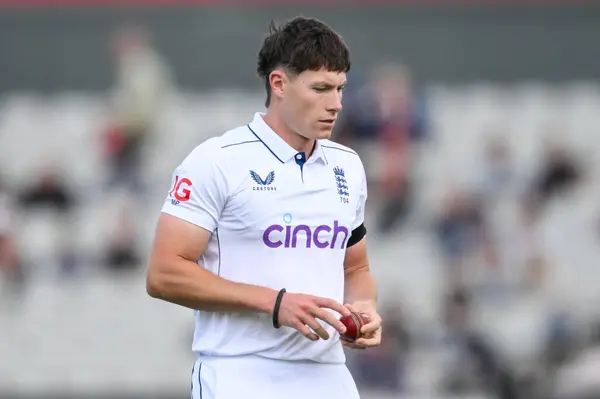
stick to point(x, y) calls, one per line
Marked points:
point(293, 113)
point(310, 108)
point(301, 110)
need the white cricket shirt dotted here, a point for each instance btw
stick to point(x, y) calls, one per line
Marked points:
point(278, 220)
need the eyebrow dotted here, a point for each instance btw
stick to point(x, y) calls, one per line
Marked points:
point(323, 83)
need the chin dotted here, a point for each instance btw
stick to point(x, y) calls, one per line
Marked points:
point(323, 134)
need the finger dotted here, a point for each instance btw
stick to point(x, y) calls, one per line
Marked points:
point(351, 307)
point(367, 336)
point(315, 326)
point(373, 340)
point(330, 319)
point(351, 345)
point(333, 305)
point(371, 327)
point(368, 342)
point(305, 331)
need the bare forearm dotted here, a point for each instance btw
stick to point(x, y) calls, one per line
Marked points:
point(188, 284)
point(360, 286)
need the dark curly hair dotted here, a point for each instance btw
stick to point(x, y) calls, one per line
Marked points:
point(302, 44)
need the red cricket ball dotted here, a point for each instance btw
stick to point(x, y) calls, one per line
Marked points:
point(353, 324)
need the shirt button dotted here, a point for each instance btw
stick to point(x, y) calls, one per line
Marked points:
point(298, 156)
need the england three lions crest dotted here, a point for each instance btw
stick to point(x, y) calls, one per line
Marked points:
point(341, 184)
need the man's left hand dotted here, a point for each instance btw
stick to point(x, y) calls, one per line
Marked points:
point(371, 332)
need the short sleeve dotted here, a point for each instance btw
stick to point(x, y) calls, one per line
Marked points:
point(362, 200)
point(198, 190)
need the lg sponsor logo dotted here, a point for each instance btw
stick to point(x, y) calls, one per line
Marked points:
point(181, 190)
point(334, 236)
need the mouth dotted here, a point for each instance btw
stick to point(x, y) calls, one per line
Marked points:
point(327, 121)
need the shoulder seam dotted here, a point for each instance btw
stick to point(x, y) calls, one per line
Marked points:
point(340, 149)
point(240, 143)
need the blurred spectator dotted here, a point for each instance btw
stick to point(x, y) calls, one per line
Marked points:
point(513, 219)
point(476, 365)
point(51, 192)
point(560, 171)
point(463, 235)
point(533, 259)
point(10, 265)
point(143, 81)
point(560, 343)
point(580, 378)
point(386, 114)
point(499, 177)
point(122, 251)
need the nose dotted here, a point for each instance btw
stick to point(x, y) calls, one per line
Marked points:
point(335, 102)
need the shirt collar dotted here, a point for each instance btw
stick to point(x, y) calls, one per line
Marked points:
point(276, 145)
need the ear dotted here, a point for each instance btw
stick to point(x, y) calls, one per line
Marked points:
point(277, 79)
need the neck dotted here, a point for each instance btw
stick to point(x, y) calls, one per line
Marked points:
point(293, 139)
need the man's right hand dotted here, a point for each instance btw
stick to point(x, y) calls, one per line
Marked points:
point(301, 312)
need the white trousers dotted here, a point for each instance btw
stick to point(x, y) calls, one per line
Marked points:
point(252, 377)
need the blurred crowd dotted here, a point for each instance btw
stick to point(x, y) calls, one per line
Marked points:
point(493, 250)
point(489, 234)
point(142, 79)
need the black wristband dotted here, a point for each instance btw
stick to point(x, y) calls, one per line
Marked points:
point(276, 308)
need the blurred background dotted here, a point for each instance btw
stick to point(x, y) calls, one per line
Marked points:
point(477, 122)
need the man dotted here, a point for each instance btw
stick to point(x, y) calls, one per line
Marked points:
point(265, 208)
point(144, 79)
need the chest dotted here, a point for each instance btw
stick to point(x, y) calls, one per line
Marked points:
point(314, 196)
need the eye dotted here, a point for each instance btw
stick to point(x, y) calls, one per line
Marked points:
point(320, 89)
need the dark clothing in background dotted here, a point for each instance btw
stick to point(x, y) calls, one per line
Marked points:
point(460, 232)
point(556, 176)
point(56, 198)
